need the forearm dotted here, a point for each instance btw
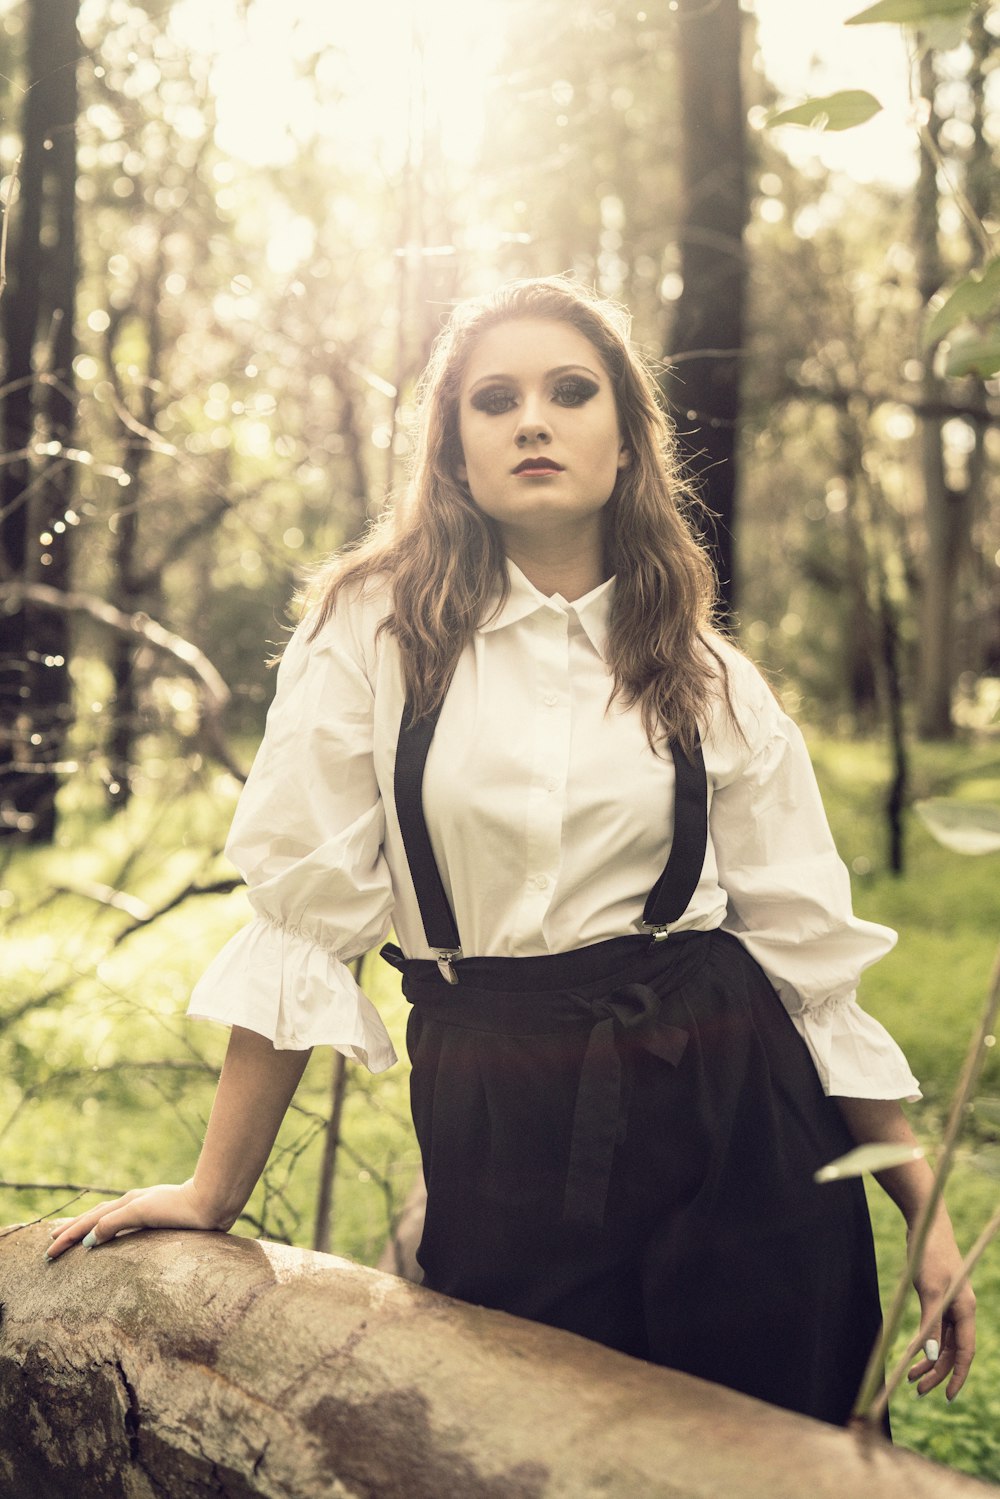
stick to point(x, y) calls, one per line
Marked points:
point(255, 1088)
point(872, 1120)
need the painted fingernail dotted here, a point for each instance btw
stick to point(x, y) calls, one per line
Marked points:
point(932, 1349)
point(90, 1241)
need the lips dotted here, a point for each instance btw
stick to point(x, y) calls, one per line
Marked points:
point(538, 466)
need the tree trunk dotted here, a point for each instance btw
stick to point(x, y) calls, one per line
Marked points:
point(873, 647)
point(707, 336)
point(36, 488)
point(979, 636)
point(132, 589)
point(860, 642)
point(198, 1364)
point(943, 518)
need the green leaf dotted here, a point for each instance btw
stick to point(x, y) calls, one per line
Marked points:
point(876, 1157)
point(974, 356)
point(964, 827)
point(976, 296)
point(852, 106)
point(909, 12)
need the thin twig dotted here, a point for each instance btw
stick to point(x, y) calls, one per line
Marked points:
point(219, 887)
point(60, 1187)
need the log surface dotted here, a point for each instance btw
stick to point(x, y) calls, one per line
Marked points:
point(176, 1365)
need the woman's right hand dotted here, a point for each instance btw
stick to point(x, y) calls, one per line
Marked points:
point(254, 1091)
point(144, 1207)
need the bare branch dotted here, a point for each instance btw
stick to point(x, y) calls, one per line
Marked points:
point(215, 694)
point(220, 887)
point(106, 895)
point(59, 1187)
point(194, 661)
point(36, 1002)
point(180, 543)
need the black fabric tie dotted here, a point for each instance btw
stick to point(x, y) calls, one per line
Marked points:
point(629, 1016)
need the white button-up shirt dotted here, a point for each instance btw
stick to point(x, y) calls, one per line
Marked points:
point(550, 818)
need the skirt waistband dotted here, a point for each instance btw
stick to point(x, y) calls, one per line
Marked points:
point(587, 971)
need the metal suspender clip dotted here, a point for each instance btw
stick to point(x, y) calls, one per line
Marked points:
point(445, 958)
point(658, 933)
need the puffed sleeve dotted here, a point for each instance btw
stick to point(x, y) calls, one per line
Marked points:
point(307, 838)
point(789, 893)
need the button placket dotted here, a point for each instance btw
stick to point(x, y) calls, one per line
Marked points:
point(550, 751)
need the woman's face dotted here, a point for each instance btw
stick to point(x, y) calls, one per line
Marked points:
point(539, 429)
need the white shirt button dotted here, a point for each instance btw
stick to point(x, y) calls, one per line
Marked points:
point(550, 699)
point(540, 881)
point(552, 784)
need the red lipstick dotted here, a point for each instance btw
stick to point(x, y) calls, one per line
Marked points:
point(538, 466)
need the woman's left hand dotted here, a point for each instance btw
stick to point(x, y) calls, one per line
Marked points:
point(955, 1329)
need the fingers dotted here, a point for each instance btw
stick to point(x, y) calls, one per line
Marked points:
point(95, 1226)
point(964, 1322)
point(163, 1206)
point(957, 1345)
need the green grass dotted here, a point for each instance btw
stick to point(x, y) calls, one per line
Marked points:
point(108, 1084)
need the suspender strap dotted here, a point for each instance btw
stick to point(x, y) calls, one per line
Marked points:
point(671, 895)
point(411, 756)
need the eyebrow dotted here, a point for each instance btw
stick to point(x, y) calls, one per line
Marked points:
point(560, 369)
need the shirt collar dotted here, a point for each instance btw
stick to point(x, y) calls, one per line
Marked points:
point(524, 599)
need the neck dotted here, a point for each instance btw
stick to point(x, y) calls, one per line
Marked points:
point(553, 565)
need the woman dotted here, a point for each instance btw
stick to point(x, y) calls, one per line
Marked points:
point(630, 949)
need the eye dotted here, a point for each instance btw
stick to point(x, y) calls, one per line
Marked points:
point(574, 391)
point(494, 400)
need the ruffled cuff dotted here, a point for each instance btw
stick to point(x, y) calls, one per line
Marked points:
point(854, 1055)
point(279, 983)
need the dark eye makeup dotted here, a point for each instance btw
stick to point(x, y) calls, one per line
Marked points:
point(572, 390)
point(494, 400)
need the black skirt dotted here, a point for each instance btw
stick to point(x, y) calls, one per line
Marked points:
point(621, 1141)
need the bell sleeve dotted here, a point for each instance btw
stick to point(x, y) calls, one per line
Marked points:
point(307, 838)
point(790, 898)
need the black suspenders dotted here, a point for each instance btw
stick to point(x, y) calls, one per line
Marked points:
point(665, 904)
point(435, 912)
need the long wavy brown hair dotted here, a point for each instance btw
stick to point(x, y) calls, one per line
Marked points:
point(444, 561)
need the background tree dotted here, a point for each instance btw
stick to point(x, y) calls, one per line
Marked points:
point(706, 337)
point(38, 422)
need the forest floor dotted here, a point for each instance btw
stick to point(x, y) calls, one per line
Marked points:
point(103, 1083)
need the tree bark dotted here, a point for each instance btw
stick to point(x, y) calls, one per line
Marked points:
point(191, 1365)
point(36, 489)
point(132, 589)
point(704, 392)
point(944, 509)
point(860, 637)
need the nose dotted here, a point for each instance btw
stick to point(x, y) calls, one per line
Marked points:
point(532, 426)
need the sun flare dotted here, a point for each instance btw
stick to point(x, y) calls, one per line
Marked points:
point(379, 77)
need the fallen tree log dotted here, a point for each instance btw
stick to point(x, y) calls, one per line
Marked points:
point(185, 1365)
